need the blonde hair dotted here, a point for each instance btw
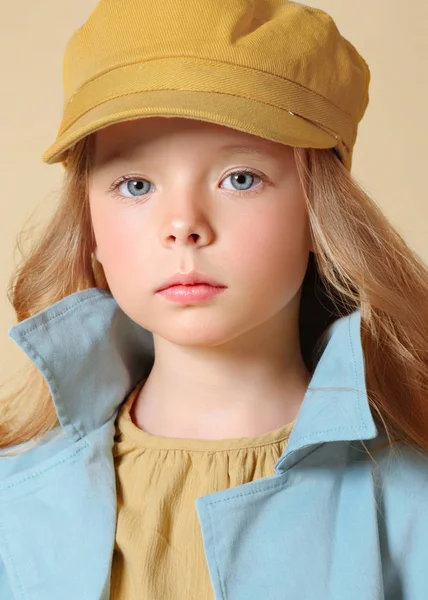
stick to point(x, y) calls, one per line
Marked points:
point(359, 261)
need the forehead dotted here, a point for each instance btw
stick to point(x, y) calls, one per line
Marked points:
point(152, 134)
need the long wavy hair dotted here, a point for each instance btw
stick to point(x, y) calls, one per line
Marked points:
point(359, 261)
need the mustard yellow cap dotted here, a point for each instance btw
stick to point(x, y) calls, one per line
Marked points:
point(276, 69)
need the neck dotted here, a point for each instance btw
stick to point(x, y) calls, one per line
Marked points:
point(253, 384)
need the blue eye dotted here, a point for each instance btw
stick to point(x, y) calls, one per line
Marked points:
point(239, 177)
point(136, 187)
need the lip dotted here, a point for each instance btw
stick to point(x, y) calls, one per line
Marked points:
point(191, 278)
point(191, 294)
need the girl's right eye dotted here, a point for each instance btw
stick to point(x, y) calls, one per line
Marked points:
point(132, 184)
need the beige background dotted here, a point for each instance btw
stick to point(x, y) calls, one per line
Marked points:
point(390, 158)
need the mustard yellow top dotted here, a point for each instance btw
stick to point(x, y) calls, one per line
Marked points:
point(159, 551)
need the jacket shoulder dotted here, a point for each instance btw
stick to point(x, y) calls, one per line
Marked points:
point(402, 471)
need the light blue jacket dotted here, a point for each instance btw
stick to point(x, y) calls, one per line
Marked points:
point(329, 525)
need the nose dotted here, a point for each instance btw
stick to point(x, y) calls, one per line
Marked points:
point(185, 232)
point(186, 220)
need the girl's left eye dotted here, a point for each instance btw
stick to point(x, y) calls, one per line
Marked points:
point(238, 177)
point(134, 184)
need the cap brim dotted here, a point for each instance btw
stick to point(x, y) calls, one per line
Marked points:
point(242, 114)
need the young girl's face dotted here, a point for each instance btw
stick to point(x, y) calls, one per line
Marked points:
point(183, 210)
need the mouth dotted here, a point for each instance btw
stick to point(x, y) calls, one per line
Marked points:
point(191, 279)
point(191, 293)
point(190, 285)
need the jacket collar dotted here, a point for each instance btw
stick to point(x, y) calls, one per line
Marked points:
point(92, 355)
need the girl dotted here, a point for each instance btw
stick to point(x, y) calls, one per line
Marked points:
point(230, 338)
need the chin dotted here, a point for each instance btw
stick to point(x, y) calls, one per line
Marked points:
point(197, 334)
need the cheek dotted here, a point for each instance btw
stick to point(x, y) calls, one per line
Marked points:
point(120, 243)
point(272, 247)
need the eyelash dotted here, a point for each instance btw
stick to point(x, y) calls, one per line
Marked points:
point(112, 189)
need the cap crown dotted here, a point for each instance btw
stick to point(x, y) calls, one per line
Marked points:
point(287, 39)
